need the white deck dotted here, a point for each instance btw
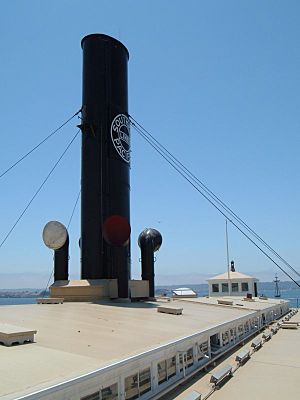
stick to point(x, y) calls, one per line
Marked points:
point(77, 338)
point(272, 373)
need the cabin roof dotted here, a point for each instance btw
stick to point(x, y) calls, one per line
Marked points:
point(232, 275)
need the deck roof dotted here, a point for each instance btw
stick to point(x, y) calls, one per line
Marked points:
point(239, 302)
point(271, 373)
point(77, 338)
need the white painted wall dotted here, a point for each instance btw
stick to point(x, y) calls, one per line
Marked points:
point(239, 282)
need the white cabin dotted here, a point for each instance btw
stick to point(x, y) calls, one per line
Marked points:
point(232, 284)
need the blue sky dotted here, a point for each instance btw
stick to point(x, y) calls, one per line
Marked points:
point(216, 82)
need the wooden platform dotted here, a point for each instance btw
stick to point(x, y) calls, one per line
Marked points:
point(11, 334)
point(50, 300)
point(84, 289)
point(289, 326)
point(169, 310)
point(225, 302)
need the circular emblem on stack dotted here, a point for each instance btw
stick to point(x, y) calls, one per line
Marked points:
point(120, 136)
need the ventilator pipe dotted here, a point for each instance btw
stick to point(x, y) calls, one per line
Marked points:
point(55, 236)
point(149, 242)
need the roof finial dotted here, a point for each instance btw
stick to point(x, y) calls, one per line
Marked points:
point(232, 266)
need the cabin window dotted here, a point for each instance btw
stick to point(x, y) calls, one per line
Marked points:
point(215, 287)
point(162, 371)
point(92, 396)
point(234, 333)
point(110, 392)
point(234, 287)
point(144, 381)
point(136, 385)
point(240, 330)
point(171, 367)
point(190, 357)
point(224, 287)
point(215, 340)
point(202, 350)
point(225, 338)
point(132, 387)
point(245, 287)
point(180, 362)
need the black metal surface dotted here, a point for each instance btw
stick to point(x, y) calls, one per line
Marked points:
point(105, 163)
point(61, 262)
point(149, 241)
point(232, 267)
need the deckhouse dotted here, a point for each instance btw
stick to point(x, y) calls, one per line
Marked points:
point(232, 283)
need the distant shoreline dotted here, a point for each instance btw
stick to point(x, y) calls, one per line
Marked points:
point(22, 294)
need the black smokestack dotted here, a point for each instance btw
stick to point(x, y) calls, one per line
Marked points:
point(105, 162)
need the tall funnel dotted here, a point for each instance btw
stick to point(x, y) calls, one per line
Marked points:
point(105, 162)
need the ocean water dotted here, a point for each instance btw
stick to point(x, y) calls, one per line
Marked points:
point(5, 301)
point(292, 295)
